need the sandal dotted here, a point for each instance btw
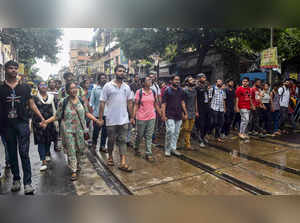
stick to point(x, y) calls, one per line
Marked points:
point(74, 176)
point(110, 162)
point(190, 148)
point(149, 158)
point(104, 150)
point(137, 153)
point(125, 168)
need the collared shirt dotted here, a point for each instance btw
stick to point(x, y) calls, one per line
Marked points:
point(116, 100)
point(218, 96)
point(95, 100)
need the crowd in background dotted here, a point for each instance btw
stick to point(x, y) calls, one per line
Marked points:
point(124, 112)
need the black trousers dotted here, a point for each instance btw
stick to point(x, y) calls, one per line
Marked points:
point(203, 122)
point(17, 137)
point(254, 120)
point(228, 120)
point(217, 122)
point(103, 134)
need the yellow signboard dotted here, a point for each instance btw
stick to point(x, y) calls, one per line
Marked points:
point(21, 69)
point(269, 58)
point(294, 76)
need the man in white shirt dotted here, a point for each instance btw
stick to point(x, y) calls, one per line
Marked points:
point(117, 98)
point(284, 94)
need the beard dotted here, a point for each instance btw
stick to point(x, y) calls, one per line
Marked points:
point(120, 78)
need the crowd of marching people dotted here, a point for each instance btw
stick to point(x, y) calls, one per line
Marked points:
point(183, 110)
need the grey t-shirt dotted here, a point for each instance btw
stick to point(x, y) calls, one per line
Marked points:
point(190, 101)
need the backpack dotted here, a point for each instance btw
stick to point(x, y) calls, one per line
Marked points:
point(65, 102)
point(141, 95)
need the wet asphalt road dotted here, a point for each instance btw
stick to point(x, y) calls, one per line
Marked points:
point(235, 167)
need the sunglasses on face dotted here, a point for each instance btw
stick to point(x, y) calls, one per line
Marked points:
point(43, 86)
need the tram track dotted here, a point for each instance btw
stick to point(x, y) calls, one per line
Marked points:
point(225, 177)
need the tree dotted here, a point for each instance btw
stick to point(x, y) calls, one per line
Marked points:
point(33, 43)
point(169, 42)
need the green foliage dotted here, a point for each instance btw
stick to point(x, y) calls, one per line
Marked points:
point(33, 43)
point(167, 42)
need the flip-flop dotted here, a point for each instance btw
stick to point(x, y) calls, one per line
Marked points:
point(74, 177)
point(149, 158)
point(125, 169)
point(103, 150)
point(190, 149)
point(110, 162)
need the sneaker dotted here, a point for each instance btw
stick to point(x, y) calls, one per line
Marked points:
point(48, 158)
point(247, 136)
point(176, 153)
point(167, 154)
point(16, 186)
point(43, 167)
point(242, 136)
point(202, 145)
point(255, 133)
point(223, 136)
point(205, 140)
point(261, 135)
point(28, 189)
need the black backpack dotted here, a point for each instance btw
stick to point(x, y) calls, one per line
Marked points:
point(65, 102)
point(141, 95)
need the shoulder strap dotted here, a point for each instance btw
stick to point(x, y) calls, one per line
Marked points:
point(140, 97)
point(65, 102)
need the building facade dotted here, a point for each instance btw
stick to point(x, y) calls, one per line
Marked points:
point(79, 57)
point(107, 54)
point(7, 52)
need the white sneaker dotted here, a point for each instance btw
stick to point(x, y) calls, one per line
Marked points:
point(43, 168)
point(48, 158)
point(202, 145)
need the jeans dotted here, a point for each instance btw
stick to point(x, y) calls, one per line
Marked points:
point(172, 133)
point(276, 119)
point(217, 122)
point(44, 150)
point(96, 131)
point(185, 133)
point(266, 118)
point(117, 134)
point(6, 151)
point(229, 116)
point(245, 115)
point(17, 135)
point(145, 129)
point(283, 116)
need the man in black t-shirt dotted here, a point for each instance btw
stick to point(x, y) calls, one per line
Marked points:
point(173, 110)
point(15, 102)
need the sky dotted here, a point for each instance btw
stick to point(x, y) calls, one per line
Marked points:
point(69, 34)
